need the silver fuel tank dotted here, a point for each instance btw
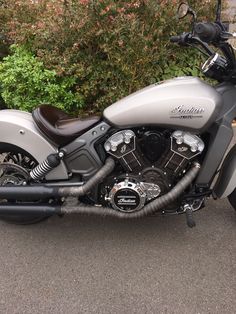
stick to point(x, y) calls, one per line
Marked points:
point(185, 102)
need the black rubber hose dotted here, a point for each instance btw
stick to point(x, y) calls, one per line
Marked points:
point(149, 209)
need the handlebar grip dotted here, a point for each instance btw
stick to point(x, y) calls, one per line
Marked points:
point(182, 39)
point(208, 32)
point(175, 39)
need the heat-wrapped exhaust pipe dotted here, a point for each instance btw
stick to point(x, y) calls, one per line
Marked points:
point(40, 192)
point(149, 209)
point(44, 192)
point(77, 191)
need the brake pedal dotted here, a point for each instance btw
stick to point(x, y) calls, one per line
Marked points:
point(189, 216)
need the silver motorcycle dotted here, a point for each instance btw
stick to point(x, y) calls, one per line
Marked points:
point(159, 150)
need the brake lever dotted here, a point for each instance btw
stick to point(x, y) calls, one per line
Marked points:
point(227, 35)
point(204, 45)
point(188, 40)
point(199, 49)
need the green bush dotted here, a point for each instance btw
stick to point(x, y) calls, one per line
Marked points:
point(107, 48)
point(25, 83)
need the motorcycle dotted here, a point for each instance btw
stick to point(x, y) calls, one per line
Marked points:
point(159, 150)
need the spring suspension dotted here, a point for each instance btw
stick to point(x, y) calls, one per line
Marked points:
point(46, 166)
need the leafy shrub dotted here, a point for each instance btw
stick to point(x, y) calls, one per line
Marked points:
point(25, 83)
point(108, 48)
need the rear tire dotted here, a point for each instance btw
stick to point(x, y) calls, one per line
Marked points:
point(23, 220)
point(232, 199)
point(15, 155)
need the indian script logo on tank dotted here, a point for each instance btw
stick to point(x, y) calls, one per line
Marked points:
point(184, 112)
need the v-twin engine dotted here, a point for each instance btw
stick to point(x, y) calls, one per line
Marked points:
point(151, 163)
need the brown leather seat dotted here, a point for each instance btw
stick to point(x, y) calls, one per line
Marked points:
point(58, 126)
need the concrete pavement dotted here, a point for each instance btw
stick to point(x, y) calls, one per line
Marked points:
point(93, 265)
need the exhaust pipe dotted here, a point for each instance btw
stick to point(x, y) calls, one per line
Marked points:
point(40, 192)
point(27, 193)
point(30, 209)
point(76, 191)
point(44, 192)
point(147, 210)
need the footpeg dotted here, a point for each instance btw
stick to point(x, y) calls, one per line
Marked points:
point(189, 216)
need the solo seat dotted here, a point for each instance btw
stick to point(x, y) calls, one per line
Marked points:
point(58, 126)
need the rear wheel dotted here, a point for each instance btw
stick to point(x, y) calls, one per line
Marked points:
point(15, 165)
point(232, 199)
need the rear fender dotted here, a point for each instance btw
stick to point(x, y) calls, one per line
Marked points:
point(226, 182)
point(18, 128)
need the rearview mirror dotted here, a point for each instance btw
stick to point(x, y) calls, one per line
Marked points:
point(183, 10)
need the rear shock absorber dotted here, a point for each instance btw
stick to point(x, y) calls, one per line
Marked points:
point(46, 166)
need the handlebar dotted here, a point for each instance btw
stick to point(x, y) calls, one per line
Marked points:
point(187, 39)
point(222, 68)
point(206, 32)
point(175, 39)
point(182, 39)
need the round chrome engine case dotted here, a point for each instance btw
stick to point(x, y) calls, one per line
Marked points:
point(127, 196)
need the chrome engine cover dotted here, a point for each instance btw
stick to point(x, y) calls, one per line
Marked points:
point(193, 142)
point(120, 143)
point(128, 196)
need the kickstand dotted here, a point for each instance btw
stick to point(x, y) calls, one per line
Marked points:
point(189, 216)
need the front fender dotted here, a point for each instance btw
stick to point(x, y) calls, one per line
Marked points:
point(18, 128)
point(226, 182)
